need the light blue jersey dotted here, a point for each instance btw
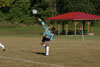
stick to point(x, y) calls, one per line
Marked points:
point(47, 31)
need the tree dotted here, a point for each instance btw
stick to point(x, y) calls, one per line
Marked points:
point(96, 5)
point(21, 12)
point(53, 7)
point(42, 6)
point(5, 3)
point(75, 5)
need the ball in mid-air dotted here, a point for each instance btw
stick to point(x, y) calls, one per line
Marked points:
point(34, 11)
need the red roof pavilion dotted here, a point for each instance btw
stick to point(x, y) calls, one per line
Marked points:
point(75, 16)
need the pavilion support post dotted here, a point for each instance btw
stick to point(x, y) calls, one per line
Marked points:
point(66, 28)
point(75, 25)
point(88, 27)
point(58, 28)
point(75, 29)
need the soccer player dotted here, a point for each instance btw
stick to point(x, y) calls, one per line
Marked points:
point(3, 47)
point(47, 37)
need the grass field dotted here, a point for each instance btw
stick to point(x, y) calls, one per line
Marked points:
point(65, 51)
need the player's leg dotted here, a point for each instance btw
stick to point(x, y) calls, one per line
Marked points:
point(47, 46)
point(3, 47)
point(43, 42)
point(47, 49)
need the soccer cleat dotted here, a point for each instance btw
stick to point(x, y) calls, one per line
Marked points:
point(46, 55)
point(4, 50)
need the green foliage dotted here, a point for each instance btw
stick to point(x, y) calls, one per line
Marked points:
point(76, 5)
point(21, 10)
point(5, 3)
point(43, 7)
point(96, 5)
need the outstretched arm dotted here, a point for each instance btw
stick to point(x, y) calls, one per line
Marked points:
point(43, 24)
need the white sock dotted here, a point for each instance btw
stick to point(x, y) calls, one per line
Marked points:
point(44, 45)
point(1, 45)
point(47, 50)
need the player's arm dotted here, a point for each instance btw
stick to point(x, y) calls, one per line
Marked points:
point(43, 24)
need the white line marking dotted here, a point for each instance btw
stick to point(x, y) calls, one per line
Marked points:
point(29, 61)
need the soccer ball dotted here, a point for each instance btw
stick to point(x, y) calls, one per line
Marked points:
point(34, 11)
